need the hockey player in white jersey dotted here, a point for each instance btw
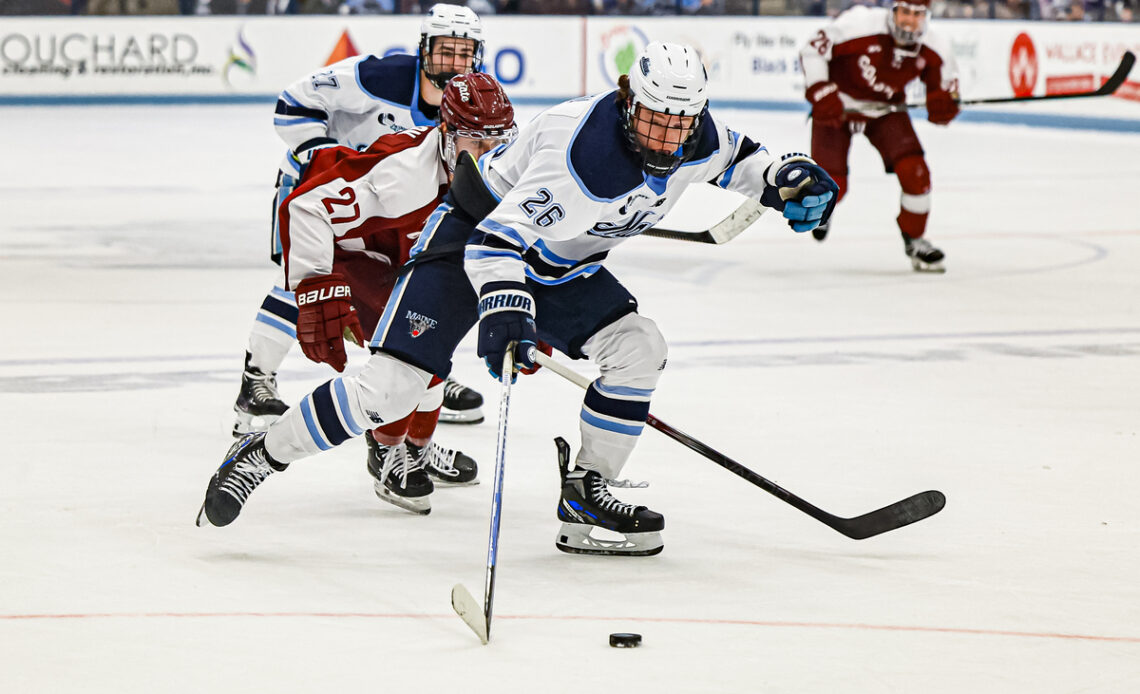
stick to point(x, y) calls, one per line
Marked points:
point(346, 231)
point(351, 103)
point(519, 245)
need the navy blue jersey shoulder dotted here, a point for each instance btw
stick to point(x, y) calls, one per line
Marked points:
point(600, 158)
point(392, 78)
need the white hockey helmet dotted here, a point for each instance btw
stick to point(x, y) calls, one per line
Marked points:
point(449, 21)
point(665, 78)
point(669, 78)
point(908, 37)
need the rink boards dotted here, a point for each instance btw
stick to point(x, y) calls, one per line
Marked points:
point(752, 61)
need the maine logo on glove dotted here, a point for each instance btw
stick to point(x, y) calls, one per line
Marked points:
point(419, 323)
point(324, 294)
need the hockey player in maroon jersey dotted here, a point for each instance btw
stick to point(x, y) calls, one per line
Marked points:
point(858, 66)
point(351, 103)
point(345, 231)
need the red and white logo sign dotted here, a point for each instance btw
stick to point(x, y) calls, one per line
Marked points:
point(1023, 66)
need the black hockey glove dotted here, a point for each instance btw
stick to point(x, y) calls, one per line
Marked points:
point(506, 316)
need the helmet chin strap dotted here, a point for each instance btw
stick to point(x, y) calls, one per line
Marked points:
point(439, 79)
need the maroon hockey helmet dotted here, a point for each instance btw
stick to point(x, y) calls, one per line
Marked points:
point(475, 107)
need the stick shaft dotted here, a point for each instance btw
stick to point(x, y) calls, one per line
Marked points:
point(1110, 86)
point(507, 375)
point(890, 517)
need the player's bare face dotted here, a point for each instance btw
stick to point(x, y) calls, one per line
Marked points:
point(661, 132)
point(449, 54)
point(909, 18)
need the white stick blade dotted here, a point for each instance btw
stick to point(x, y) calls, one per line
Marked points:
point(742, 218)
point(469, 610)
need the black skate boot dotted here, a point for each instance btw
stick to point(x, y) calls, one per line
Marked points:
point(446, 466)
point(398, 479)
point(461, 405)
point(258, 404)
point(247, 464)
point(586, 503)
point(924, 257)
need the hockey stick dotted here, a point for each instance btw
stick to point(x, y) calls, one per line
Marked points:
point(891, 517)
point(1110, 86)
point(722, 232)
point(462, 601)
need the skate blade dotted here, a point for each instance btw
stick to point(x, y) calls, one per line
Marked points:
point(472, 416)
point(420, 504)
point(575, 538)
point(920, 266)
point(202, 521)
point(447, 482)
point(246, 423)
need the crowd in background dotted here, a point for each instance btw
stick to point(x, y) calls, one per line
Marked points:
point(1061, 10)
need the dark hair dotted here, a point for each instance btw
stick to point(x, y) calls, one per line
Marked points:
point(623, 89)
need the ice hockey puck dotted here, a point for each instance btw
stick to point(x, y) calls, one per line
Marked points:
point(625, 640)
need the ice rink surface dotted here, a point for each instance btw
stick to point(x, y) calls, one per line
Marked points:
point(133, 248)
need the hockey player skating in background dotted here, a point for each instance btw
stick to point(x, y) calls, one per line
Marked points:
point(529, 227)
point(351, 103)
point(345, 231)
point(857, 66)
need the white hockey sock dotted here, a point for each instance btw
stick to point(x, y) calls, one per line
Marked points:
point(386, 390)
point(274, 331)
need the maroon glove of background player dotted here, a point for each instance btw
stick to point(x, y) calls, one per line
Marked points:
point(545, 349)
point(325, 319)
point(940, 107)
point(826, 106)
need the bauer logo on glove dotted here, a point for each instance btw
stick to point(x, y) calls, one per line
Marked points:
point(326, 318)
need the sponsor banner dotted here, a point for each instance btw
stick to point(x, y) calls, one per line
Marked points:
point(253, 56)
point(748, 59)
point(751, 61)
point(757, 59)
point(1074, 84)
point(1040, 58)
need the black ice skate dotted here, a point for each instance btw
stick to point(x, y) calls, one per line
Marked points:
point(258, 404)
point(247, 464)
point(397, 478)
point(446, 466)
point(924, 257)
point(586, 504)
point(461, 405)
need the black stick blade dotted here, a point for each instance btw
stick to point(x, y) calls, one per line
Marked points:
point(892, 517)
point(1113, 82)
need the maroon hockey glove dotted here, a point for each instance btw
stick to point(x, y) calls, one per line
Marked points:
point(941, 107)
point(325, 319)
point(826, 106)
point(545, 349)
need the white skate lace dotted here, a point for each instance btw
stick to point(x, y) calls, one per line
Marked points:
point(452, 389)
point(263, 387)
point(627, 484)
point(920, 247)
point(600, 494)
point(246, 474)
point(396, 461)
point(441, 459)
